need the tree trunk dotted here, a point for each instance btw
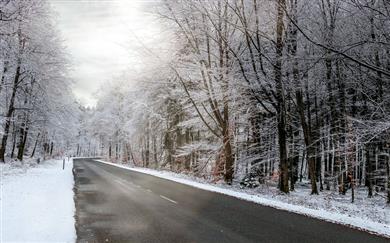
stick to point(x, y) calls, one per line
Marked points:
point(155, 151)
point(229, 160)
point(78, 150)
point(35, 146)
point(5, 70)
point(282, 136)
point(13, 138)
point(51, 148)
point(147, 145)
point(310, 148)
point(23, 138)
point(9, 114)
point(388, 180)
point(21, 142)
point(368, 173)
point(109, 151)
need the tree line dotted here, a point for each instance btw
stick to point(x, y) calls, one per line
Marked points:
point(257, 91)
point(37, 108)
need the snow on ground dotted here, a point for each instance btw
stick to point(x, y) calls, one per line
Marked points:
point(370, 214)
point(36, 202)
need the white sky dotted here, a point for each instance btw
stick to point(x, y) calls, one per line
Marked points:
point(101, 37)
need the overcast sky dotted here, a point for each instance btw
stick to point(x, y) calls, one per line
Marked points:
point(100, 37)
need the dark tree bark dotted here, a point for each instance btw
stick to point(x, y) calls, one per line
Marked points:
point(147, 145)
point(229, 160)
point(109, 151)
point(281, 116)
point(369, 173)
point(21, 141)
point(24, 128)
point(5, 70)
point(310, 146)
point(78, 150)
point(51, 148)
point(155, 151)
point(388, 180)
point(35, 145)
point(307, 131)
point(8, 116)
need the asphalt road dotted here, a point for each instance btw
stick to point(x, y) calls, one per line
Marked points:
point(117, 205)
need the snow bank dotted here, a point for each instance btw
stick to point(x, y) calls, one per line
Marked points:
point(328, 206)
point(36, 202)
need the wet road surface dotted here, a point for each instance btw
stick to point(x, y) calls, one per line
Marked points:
point(117, 205)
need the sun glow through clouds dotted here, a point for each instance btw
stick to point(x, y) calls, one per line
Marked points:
point(102, 38)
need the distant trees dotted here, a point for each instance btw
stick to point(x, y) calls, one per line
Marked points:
point(286, 89)
point(36, 101)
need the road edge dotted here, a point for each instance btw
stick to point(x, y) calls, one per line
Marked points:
point(374, 228)
point(75, 194)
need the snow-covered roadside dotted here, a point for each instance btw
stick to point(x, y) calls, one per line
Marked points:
point(36, 202)
point(325, 206)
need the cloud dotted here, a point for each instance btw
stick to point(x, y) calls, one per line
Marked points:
point(98, 35)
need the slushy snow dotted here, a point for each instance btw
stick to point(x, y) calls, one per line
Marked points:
point(36, 202)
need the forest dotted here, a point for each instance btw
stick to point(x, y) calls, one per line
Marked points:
point(258, 91)
point(38, 112)
point(277, 92)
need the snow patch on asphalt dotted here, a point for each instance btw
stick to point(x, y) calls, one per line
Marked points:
point(320, 207)
point(36, 202)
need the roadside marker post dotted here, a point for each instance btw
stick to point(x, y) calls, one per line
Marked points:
point(63, 164)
